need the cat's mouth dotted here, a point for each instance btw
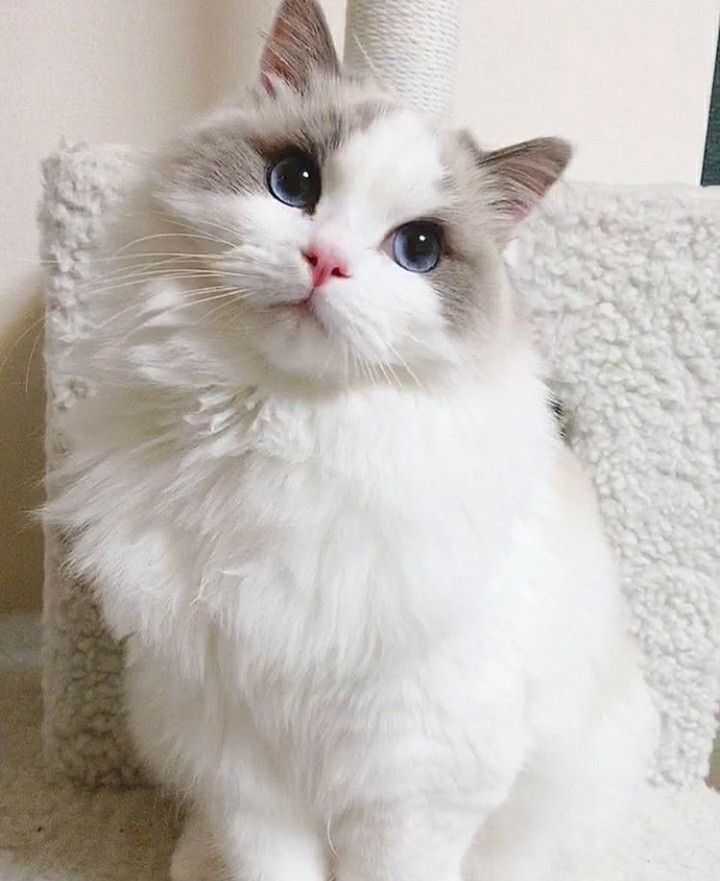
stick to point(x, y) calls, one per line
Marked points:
point(306, 305)
point(302, 309)
point(303, 306)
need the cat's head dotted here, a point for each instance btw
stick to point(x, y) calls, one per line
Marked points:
point(355, 238)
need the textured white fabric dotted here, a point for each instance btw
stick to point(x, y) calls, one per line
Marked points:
point(623, 287)
point(84, 733)
point(409, 46)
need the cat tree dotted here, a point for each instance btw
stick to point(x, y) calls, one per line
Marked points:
point(409, 46)
point(622, 285)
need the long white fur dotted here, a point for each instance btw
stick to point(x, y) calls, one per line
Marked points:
point(372, 624)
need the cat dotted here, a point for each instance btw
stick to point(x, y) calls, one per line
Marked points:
point(373, 631)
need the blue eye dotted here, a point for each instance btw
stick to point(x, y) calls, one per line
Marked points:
point(295, 180)
point(417, 246)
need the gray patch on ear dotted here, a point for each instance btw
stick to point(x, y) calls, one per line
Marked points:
point(509, 183)
point(468, 143)
point(298, 47)
point(519, 176)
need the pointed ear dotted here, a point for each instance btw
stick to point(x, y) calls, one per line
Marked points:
point(299, 44)
point(516, 178)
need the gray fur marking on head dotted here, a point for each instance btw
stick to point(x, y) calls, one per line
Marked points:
point(232, 155)
point(305, 104)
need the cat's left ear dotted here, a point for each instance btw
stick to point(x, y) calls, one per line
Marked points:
point(299, 44)
point(516, 178)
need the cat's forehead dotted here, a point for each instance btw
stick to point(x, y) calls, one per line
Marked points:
point(366, 143)
point(394, 161)
point(369, 149)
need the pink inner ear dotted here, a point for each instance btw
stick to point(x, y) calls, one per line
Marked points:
point(271, 66)
point(528, 186)
point(299, 43)
point(267, 83)
point(514, 208)
point(282, 40)
point(519, 211)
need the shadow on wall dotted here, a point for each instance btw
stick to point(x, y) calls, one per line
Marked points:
point(22, 406)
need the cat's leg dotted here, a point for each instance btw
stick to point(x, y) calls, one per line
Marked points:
point(518, 842)
point(269, 845)
point(402, 845)
point(570, 804)
point(247, 847)
point(270, 842)
point(196, 857)
point(554, 825)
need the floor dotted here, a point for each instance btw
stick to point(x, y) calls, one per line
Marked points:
point(53, 831)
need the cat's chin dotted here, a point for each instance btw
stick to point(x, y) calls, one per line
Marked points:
point(299, 345)
point(300, 310)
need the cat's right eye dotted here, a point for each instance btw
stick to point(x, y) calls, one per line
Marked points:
point(417, 246)
point(295, 180)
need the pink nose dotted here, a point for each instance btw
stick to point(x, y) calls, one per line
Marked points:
point(325, 264)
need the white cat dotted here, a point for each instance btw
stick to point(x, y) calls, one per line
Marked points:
point(373, 629)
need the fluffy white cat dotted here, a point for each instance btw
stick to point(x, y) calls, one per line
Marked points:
point(373, 629)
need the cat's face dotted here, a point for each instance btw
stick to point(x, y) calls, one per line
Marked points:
point(361, 240)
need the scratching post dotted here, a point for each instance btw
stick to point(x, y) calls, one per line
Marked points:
point(408, 46)
point(84, 734)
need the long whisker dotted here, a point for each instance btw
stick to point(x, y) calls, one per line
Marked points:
point(20, 338)
point(131, 282)
point(384, 369)
point(215, 223)
point(98, 259)
point(213, 313)
point(133, 307)
point(37, 339)
point(405, 365)
point(174, 235)
point(179, 306)
point(372, 66)
point(142, 266)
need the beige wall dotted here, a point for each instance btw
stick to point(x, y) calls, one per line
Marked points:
point(95, 70)
point(627, 82)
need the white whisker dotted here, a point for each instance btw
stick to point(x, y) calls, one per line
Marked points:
point(37, 339)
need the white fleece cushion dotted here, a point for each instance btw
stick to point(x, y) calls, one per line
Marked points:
point(623, 286)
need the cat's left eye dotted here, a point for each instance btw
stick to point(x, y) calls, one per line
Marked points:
point(295, 180)
point(417, 246)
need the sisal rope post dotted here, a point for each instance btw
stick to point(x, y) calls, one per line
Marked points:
point(409, 46)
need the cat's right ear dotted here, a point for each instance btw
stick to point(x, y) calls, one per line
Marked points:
point(299, 44)
point(514, 180)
